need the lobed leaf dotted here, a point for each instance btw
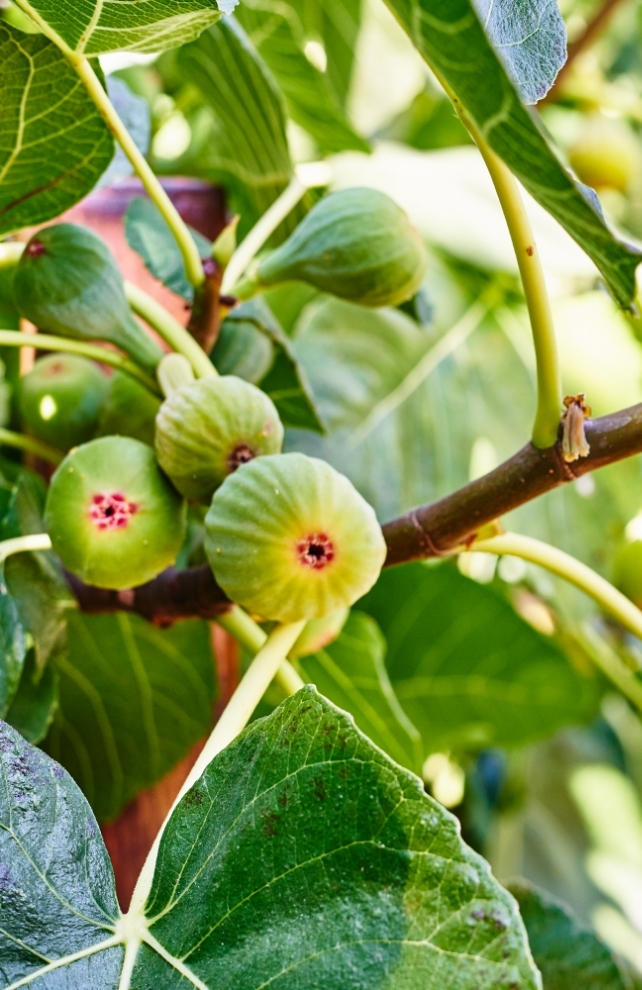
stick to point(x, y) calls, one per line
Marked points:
point(54, 145)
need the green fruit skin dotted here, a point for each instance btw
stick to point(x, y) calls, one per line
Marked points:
point(255, 526)
point(201, 424)
point(68, 283)
point(627, 574)
point(319, 633)
point(606, 155)
point(356, 244)
point(114, 558)
point(60, 399)
point(129, 410)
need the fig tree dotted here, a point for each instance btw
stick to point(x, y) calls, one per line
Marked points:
point(113, 517)
point(356, 244)
point(207, 429)
point(60, 399)
point(290, 538)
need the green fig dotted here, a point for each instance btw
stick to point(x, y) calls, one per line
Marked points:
point(627, 575)
point(290, 538)
point(319, 633)
point(113, 517)
point(129, 409)
point(206, 430)
point(60, 399)
point(356, 244)
point(607, 154)
point(68, 283)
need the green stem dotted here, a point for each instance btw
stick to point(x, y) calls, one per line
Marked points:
point(572, 570)
point(191, 257)
point(23, 442)
point(235, 717)
point(22, 544)
point(172, 332)
point(45, 342)
point(249, 634)
point(10, 254)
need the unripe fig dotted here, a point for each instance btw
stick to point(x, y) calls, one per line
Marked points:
point(627, 573)
point(606, 155)
point(60, 399)
point(319, 633)
point(113, 517)
point(355, 243)
point(129, 409)
point(68, 283)
point(290, 538)
point(206, 430)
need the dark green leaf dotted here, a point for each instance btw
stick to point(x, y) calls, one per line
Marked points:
point(451, 39)
point(243, 350)
point(567, 953)
point(13, 647)
point(148, 234)
point(133, 700)
point(467, 669)
point(351, 672)
point(57, 893)
point(337, 24)
point(134, 112)
point(54, 145)
point(286, 381)
point(93, 27)
point(35, 702)
point(244, 143)
point(278, 31)
point(530, 38)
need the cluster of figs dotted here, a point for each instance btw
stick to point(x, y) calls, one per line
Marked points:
point(286, 535)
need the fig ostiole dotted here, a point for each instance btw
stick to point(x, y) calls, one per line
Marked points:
point(68, 283)
point(113, 517)
point(60, 399)
point(208, 429)
point(290, 538)
point(356, 244)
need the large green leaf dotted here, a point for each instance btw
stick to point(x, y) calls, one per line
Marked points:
point(35, 702)
point(13, 647)
point(54, 145)
point(279, 32)
point(302, 858)
point(530, 37)
point(96, 27)
point(450, 37)
point(351, 672)
point(243, 142)
point(567, 953)
point(133, 700)
point(467, 669)
point(337, 24)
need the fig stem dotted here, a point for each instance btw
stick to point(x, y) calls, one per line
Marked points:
point(32, 446)
point(21, 544)
point(250, 635)
point(235, 717)
point(567, 567)
point(45, 342)
point(186, 244)
point(307, 177)
point(167, 327)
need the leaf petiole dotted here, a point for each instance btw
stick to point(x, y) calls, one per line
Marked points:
point(8, 438)
point(24, 544)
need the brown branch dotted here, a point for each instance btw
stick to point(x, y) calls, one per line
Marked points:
point(589, 35)
point(205, 321)
point(430, 531)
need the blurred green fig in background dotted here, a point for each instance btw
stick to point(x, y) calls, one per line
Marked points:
point(206, 430)
point(113, 517)
point(356, 244)
point(290, 538)
point(319, 633)
point(60, 399)
point(607, 154)
point(68, 283)
point(129, 409)
point(627, 571)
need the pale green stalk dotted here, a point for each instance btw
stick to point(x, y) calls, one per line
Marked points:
point(250, 635)
point(45, 342)
point(32, 446)
point(235, 717)
point(22, 544)
point(10, 253)
point(167, 327)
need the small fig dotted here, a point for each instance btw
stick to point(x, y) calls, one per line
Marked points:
point(206, 430)
point(113, 517)
point(606, 154)
point(290, 538)
point(319, 633)
point(129, 409)
point(627, 575)
point(356, 244)
point(68, 283)
point(60, 399)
